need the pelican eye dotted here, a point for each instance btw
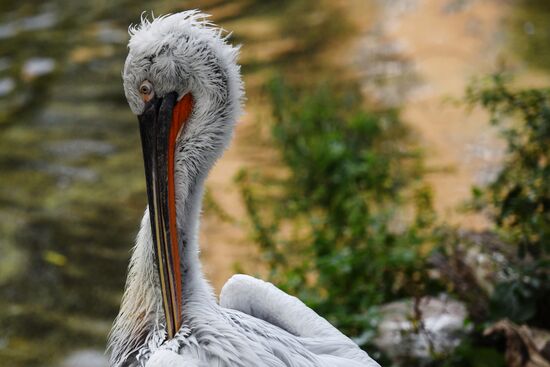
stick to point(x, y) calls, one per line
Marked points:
point(146, 90)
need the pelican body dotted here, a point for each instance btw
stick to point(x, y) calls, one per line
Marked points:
point(182, 80)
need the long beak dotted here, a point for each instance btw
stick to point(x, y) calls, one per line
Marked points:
point(160, 125)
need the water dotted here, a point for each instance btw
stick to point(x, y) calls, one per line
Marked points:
point(71, 176)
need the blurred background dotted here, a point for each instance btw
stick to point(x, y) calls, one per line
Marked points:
point(391, 170)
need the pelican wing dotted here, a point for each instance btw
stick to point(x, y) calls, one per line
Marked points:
point(264, 301)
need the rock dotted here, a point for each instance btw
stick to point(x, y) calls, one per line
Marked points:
point(420, 329)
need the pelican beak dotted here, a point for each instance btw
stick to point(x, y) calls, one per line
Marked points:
point(160, 125)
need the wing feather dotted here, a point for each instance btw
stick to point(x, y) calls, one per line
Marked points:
point(264, 301)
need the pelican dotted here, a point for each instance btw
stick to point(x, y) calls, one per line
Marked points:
point(182, 80)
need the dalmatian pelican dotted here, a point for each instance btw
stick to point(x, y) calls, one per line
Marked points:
point(182, 80)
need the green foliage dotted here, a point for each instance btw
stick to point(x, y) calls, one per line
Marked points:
point(350, 225)
point(470, 353)
point(333, 231)
point(519, 198)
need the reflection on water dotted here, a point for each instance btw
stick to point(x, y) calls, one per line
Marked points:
point(71, 186)
point(67, 143)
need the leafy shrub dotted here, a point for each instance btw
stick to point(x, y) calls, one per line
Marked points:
point(519, 198)
point(333, 229)
point(350, 225)
point(339, 230)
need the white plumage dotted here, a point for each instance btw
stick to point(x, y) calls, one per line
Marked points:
point(255, 324)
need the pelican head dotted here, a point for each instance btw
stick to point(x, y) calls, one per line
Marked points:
point(182, 81)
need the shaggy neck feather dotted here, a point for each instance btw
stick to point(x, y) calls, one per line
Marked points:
point(141, 308)
point(213, 78)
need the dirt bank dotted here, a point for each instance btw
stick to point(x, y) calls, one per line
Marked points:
point(419, 56)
